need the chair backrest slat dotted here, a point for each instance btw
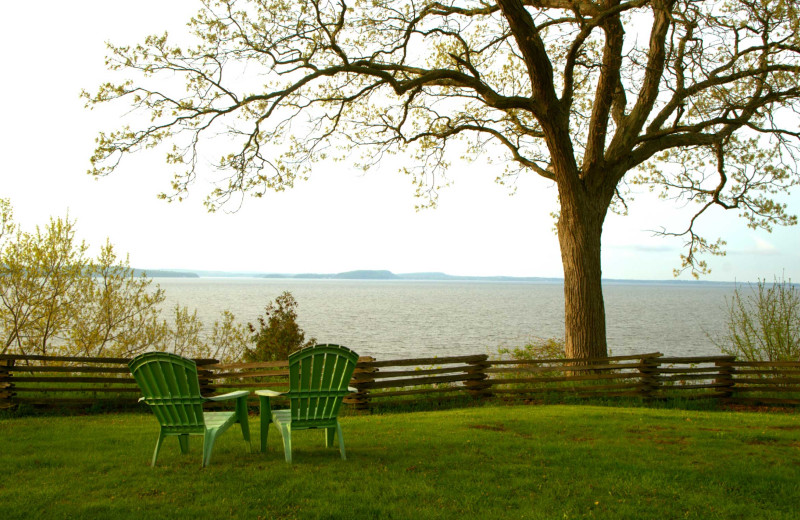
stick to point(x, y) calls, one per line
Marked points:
point(317, 364)
point(170, 386)
point(326, 383)
point(318, 379)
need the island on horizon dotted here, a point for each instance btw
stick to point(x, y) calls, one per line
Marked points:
point(386, 275)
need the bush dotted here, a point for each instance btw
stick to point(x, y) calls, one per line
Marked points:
point(536, 348)
point(278, 334)
point(765, 324)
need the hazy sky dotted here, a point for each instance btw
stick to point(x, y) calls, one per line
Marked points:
point(339, 220)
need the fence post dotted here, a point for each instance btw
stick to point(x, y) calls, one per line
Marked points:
point(479, 387)
point(204, 375)
point(649, 372)
point(6, 384)
point(362, 377)
point(725, 379)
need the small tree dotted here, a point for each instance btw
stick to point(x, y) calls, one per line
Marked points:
point(228, 339)
point(278, 334)
point(39, 274)
point(764, 325)
point(114, 312)
point(186, 336)
point(55, 299)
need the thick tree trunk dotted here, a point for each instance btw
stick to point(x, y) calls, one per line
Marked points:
point(580, 227)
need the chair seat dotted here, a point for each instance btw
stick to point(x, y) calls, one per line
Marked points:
point(282, 416)
point(216, 420)
point(285, 417)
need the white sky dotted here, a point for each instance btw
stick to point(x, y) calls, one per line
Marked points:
point(339, 220)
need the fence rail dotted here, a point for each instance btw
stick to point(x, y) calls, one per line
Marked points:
point(60, 381)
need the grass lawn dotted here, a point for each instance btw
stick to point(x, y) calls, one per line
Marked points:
point(549, 462)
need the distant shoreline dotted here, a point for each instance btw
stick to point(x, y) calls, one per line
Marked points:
point(164, 273)
point(383, 275)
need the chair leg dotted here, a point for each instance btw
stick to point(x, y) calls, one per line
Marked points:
point(341, 440)
point(242, 418)
point(184, 442)
point(329, 435)
point(158, 447)
point(264, 432)
point(208, 445)
point(266, 418)
point(286, 434)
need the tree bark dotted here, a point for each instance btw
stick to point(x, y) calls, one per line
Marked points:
point(580, 226)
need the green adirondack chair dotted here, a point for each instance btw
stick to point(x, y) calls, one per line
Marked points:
point(170, 386)
point(318, 379)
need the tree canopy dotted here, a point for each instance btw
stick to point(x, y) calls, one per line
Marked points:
point(697, 99)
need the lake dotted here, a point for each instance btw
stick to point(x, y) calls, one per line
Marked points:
point(401, 319)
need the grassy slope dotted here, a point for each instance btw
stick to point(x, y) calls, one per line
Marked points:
point(492, 462)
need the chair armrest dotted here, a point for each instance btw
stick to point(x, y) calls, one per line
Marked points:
point(230, 395)
point(269, 393)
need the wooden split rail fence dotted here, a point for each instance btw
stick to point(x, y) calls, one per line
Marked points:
point(65, 381)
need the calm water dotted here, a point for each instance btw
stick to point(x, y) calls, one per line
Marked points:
point(396, 319)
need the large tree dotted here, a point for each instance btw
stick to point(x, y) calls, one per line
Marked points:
point(696, 98)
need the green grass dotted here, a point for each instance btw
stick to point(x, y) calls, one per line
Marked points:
point(548, 462)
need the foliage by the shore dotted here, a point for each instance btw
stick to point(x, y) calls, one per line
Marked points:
point(55, 299)
point(764, 323)
point(278, 333)
point(535, 348)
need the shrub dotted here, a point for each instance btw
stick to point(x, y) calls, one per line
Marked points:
point(536, 348)
point(765, 324)
point(278, 334)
